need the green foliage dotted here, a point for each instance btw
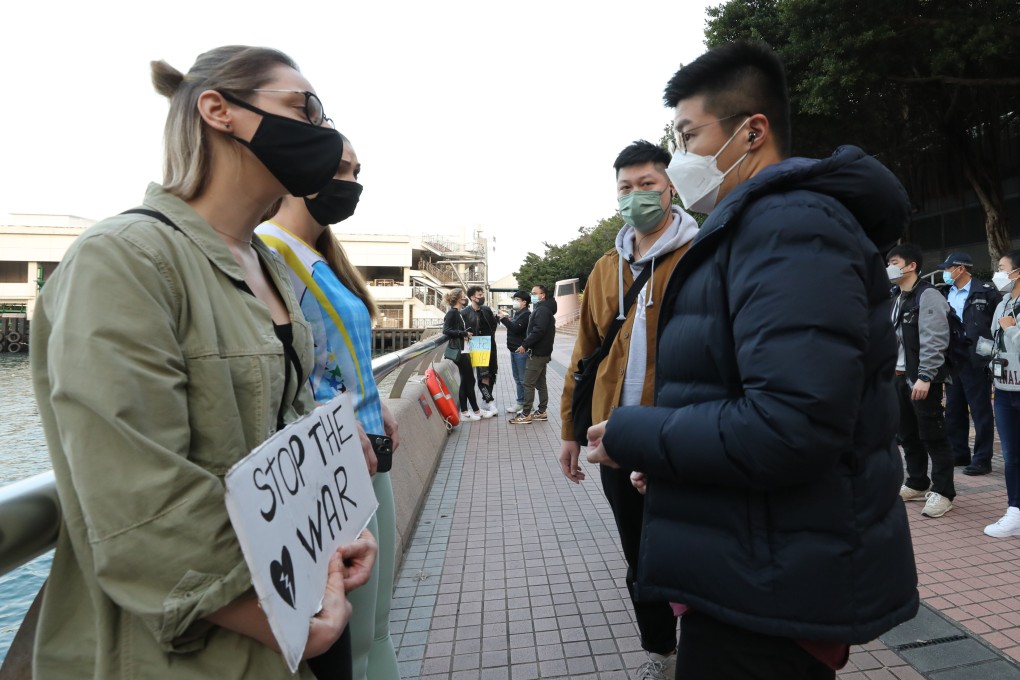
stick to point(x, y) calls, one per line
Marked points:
point(575, 258)
point(929, 87)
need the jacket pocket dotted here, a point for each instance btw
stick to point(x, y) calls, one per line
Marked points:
point(227, 407)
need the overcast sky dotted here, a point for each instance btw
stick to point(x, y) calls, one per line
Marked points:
point(500, 116)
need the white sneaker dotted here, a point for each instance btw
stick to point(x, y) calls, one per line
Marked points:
point(485, 413)
point(490, 407)
point(1008, 526)
point(936, 505)
point(658, 667)
point(908, 494)
point(468, 415)
point(516, 408)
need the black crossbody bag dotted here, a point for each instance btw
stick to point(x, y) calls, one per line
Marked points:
point(587, 367)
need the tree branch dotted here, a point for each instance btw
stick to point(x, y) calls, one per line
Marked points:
point(952, 80)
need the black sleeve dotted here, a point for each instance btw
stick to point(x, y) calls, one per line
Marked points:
point(452, 325)
point(518, 326)
point(490, 319)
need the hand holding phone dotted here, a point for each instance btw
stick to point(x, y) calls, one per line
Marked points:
point(383, 447)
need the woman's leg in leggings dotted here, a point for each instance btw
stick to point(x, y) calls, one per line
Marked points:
point(467, 383)
point(382, 662)
point(362, 625)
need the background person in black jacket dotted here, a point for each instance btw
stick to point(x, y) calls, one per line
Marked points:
point(771, 466)
point(516, 328)
point(974, 302)
point(921, 319)
point(538, 346)
point(482, 321)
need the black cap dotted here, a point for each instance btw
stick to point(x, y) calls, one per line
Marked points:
point(521, 295)
point(956, 259)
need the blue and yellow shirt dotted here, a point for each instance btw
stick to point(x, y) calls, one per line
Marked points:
point(341, 326)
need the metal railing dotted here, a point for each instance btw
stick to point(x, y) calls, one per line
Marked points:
point(30, 510)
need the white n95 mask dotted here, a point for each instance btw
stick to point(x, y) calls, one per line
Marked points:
point(697, 178)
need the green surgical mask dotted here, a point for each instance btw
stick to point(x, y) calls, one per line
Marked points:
point(642, 209)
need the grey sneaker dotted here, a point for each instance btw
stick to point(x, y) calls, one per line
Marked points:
point(658, 667)
point(908, 494)
point(936, 505)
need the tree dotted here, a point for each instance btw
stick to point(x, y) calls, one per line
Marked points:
point(575, 258)
point(929, 87)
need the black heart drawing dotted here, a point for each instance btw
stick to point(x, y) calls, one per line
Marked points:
point(282, 573)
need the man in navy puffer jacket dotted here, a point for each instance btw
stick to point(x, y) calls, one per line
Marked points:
point(772, 473)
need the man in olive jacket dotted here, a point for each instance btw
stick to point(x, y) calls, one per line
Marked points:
point(772, 510)
point(654, 236)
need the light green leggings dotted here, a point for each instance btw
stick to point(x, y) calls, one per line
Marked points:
point(372, 647)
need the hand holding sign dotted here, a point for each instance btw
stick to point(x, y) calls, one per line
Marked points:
point(329, 623)
point(293, 501)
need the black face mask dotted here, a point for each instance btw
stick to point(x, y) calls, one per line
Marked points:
point(335, 203)
point(301, 156)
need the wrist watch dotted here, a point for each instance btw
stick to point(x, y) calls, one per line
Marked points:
point(924, 377)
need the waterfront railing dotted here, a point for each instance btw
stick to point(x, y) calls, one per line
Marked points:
point(30, 510)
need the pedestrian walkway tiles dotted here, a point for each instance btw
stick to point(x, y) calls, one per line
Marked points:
point(515, 573)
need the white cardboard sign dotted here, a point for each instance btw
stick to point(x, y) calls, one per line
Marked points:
point(292, 501)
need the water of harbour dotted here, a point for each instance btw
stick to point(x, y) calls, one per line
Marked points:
point(22, 454)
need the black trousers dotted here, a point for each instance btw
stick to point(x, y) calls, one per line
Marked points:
point(712, 650)
point(655, 620)
point(923, 435)
point(487, 376)
point(467, 383)
point(337, 662)
point(971, 391)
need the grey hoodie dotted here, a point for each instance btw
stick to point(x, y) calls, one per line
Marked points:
point(681, 231)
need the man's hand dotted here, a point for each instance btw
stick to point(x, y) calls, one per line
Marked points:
point(521, 350)
point(1007, 321)
point(390, 425)
point(358, 558)
point(570, 451)
point(326, 626)
point(469, 334)
point(366, 448)
point(639, 481)
point(920, 391)
point(596, 452)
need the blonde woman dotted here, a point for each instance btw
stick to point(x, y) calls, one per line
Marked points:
point(336, 302)
point(456, 329)
point(146, 403)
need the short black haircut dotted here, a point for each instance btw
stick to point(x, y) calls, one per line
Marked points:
point(909, 252)
point(545, 291)
point(473, 289)
point(641, 152)
point(739, 77)
point(1014, 257)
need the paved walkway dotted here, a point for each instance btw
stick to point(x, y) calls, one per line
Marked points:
point(515, 573)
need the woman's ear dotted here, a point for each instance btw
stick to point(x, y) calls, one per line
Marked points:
point(215, 111)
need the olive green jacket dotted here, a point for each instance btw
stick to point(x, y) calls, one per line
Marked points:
point(154, 374)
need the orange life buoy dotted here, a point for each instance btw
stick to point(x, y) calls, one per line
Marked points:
point(441, 395)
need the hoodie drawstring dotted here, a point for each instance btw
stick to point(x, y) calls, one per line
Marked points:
point(619, 288)
point(651, 285)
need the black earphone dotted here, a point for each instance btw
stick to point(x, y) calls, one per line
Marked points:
point(751, 136)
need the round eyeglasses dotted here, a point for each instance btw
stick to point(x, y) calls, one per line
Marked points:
point(312, 107)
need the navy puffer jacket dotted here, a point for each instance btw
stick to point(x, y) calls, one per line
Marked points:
point(773, 472)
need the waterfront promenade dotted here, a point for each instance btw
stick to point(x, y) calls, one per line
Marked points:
point(515, 573)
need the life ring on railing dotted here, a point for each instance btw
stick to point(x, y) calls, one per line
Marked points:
point(441, 395)
point(14, 347)
point(14, 336)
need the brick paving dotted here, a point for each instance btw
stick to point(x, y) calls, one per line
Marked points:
point(514, 573)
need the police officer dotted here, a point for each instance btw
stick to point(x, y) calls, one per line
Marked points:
point(974, 302)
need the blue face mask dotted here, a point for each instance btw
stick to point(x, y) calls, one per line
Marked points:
point(947, 278)
point(535, 300)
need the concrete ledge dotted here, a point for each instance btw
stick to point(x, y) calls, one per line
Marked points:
point(423, 436)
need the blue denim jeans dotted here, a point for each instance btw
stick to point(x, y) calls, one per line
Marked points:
point(1007, 421)
point(518, 362)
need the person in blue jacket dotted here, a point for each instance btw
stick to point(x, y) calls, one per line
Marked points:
point(772, 474)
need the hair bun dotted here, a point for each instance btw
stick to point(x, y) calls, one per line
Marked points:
point(165, 78)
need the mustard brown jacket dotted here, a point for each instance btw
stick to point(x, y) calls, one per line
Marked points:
point(154, 373)
point(599, 308)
